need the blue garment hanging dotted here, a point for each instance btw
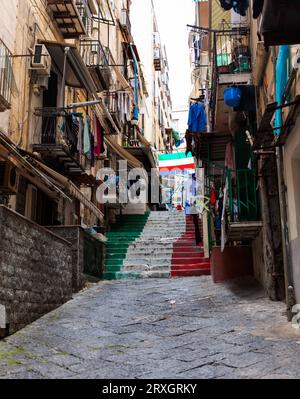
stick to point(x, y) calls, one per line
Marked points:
point(197, 118)
point(282, 74)
point(136, 112)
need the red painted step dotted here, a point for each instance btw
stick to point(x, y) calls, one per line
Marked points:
point(191, 250)
point(188, 258)
point(191, 273)
point(185, 255)
point(192, 266)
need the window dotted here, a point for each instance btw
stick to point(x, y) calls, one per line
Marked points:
point(7, 80)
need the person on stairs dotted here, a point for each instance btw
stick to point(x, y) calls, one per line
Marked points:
point(194, 213)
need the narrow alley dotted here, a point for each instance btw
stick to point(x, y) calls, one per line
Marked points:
point(149, 190)
point(158, 328)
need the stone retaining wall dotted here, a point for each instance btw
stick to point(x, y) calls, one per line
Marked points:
point(35, 270)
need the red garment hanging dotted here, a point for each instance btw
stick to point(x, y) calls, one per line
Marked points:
point(213, 197)
point(99, 147)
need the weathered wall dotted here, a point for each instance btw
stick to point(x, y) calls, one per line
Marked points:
point(75, 235)
point(234, 262)
point(258, 259)
point(35, 269)
point(292, 174)
point(88, 254)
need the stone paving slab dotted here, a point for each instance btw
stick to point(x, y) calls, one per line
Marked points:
point(181, 328)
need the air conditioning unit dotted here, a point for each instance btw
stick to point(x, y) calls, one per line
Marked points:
point(43, 82)
point(9, 178)
point(41, 60)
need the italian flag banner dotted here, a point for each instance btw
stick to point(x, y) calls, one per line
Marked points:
point(177, 161)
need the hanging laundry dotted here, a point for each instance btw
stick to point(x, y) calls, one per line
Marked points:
point(212, 196)
point(73, 130)
point(226, 4)
point(86, 137)
point(92, 154)
point(80, 134)
point(258, 6)
point(99, 147)
point(197, 118)
point(239, 6)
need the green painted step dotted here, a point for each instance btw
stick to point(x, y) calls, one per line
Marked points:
point(121, 236)
point(109, 276)
point(114, 262)
point(113, 269)
point(114, 255)
point(127, 275)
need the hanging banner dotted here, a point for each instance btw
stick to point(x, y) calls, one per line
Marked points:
point(169, 163)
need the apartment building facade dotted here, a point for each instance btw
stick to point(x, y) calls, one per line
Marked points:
point(158, 105)
point(72, 92)
point(250, 156)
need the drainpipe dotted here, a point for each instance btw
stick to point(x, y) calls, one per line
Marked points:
point(288, 277)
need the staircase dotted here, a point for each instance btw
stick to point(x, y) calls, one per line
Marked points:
point(150, 255)
point(188, 258)
point(157, 245)
point(123, 233)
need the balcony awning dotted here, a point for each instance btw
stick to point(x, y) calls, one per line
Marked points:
point(10, 152)
point(124, 154)
point(77, 74)
point(69, 186)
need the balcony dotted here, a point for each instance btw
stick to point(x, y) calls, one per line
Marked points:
point(243, 223)
point(70, 17)
point(57, 139)
point(232, 55)
point(232, 65)
point(157, 60)
point(7, 80)
point(111, 102)
point(95, 58)
point(125, 23)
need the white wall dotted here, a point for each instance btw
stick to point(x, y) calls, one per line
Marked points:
point(8, 19)
point(181, 115)
point(142, 31)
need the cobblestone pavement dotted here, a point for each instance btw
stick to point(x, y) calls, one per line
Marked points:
point(184, 328)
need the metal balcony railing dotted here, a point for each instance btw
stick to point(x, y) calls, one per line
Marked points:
point(93, 54)
point(95, 58)
point(243, 204)
point(86, 15)
point(232, 50)
point(231, 56)
point(7, 80)
point(56, 126)
point(112, 104)
point(157, 59)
